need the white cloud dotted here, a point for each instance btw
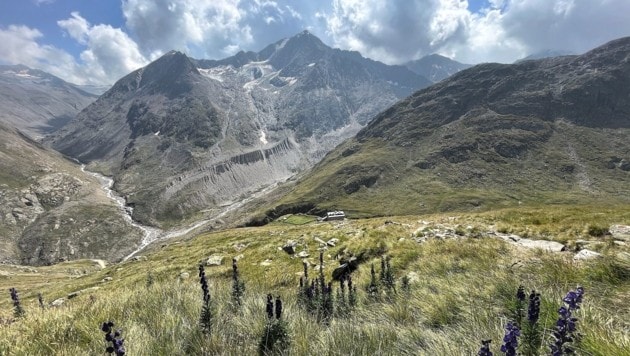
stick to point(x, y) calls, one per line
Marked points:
point(399, 30)
point(20, 46)
point(110, 53)
point(187, 25)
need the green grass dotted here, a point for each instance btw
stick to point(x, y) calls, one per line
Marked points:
point(461, 290)
point(298, 219)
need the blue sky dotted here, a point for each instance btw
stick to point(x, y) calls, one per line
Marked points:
point(99, 41)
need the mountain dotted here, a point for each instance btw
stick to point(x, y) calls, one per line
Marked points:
point(51, 211)
point(184, 136)
point(436, 67)
point(543, 131)
point(37, 102)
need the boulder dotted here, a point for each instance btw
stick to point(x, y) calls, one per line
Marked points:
point(289, 247)
point(58, 302)
point(620, 232)
point(332, 242)
point(184, 275)
point(586, 255)
point(346, 267)
point(107, 279)
point(550, 246)
point(215, 260)
point(303, 254)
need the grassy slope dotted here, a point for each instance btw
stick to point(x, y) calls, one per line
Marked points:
point(569, 167)
point(462, 294)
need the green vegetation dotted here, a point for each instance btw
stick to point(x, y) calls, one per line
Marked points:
point(460, 290)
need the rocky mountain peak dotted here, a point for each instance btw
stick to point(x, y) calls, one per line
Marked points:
point(303, 46)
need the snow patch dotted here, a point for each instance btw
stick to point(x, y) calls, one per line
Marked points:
point(311, 65)
point(263, 137)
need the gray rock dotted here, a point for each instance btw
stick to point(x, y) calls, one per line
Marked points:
point(107, 279)
point(550, 246)
point(332, 242)
point(586, 255)
point(184, 275)
point(620, 232)
point(58, 302)
point(303, 254)
point(214, 260)
point(139, 258)
point(266, 262)
point(289, 247)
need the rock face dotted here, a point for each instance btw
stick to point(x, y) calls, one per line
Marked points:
point(492, 135)
point(36, 102)
point(181, 135)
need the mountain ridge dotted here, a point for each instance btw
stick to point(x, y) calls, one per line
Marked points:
point(207, 129)
point(494, 135)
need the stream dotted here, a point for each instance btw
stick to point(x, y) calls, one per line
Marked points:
point(150, 233)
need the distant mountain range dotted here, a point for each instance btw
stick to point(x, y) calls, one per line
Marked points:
point(543, 131)
point(37, 102)
point(184, 137)
point(436, 67)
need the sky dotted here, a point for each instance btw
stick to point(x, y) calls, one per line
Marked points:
point(99, 41)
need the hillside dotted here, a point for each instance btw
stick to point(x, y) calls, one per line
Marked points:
point(51, 211)
point(463, 270)
point(538, 132)
point(186, 138)
point(37, 102)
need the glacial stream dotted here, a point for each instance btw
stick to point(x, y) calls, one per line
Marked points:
point(150, 234)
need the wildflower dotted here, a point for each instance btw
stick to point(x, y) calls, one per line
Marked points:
point(531, 331)
point(510, 340)
point(205, 319)
point(275, 337)
point(520, 293)
point(269, 306)
point(18, 311)
point(117, 345)
point(565, 330)
point(238, 287)
point(278, 307)
point(485, 348)
point(533, 310)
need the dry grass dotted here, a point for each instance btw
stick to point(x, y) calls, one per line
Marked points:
point(460, 293)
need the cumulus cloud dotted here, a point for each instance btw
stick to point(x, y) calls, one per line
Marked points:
point(110, 52)
point(212, 28)
point(505, 30)
point(20, 46)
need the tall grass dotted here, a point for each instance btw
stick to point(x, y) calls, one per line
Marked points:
point(459, 293)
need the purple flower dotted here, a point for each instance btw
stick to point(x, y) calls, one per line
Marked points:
point(510, 340)
point(533, 310)
point(566, 324)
